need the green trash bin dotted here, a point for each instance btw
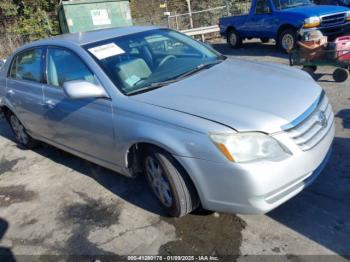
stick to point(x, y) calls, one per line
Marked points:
point(87, 15)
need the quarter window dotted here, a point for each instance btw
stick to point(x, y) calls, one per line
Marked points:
point(28, 65)
point(64, 66)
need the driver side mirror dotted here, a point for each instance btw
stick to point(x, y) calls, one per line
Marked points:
point(80, 89)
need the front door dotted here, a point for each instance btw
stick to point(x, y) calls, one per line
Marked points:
point(261, 23)
point(84, 126)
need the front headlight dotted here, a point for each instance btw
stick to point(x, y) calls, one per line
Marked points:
point(312, 22)
point(245, 147)
point(348, 16)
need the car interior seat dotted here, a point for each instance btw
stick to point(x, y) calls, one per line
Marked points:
point(132, 71)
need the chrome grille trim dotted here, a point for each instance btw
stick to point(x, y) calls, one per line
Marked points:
point(331, 20)
point(308, 133)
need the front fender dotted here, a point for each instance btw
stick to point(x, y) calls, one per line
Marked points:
point(179, 140)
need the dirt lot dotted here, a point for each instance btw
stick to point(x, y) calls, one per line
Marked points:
point(52, 203)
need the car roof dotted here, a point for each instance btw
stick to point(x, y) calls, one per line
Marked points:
point(83, 38)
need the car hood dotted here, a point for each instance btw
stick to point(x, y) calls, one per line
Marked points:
point(315, 10)
point(243, 95)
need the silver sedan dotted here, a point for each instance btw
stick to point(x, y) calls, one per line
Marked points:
point(206, 131)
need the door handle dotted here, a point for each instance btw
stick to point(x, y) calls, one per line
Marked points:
point(10, 92)
point(50, 104)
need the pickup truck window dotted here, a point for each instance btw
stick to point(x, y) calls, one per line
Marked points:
point(284, 4)
point(262, 7)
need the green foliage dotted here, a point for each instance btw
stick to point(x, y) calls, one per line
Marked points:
point(7, 8)
point(31, 19)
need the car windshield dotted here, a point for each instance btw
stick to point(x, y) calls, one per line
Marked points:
point(284, 4)
point(152, 59)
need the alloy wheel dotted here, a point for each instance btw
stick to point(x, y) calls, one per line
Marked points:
point(158, 182)
point(288, 42)
point(233, 39)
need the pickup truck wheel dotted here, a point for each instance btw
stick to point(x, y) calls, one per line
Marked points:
point(234, 39)
point(287, 40)
point(310, 70)
point(340, 75)
point(21, 135)
point(169, 183)
point(264, 40)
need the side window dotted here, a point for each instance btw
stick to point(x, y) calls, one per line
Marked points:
point(262, 7)
point(64, 66)
point(28, 65)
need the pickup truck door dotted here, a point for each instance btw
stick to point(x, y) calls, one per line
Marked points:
point(261, 21)
point(84, 126)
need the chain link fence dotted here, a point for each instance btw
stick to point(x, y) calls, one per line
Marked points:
point(201, 18)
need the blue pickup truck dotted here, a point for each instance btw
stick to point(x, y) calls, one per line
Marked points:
point(281, 19)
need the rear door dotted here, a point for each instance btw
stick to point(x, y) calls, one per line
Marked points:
point(82, 125)
point(25, 88)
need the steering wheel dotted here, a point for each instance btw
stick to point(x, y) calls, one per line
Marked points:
point(166, 59)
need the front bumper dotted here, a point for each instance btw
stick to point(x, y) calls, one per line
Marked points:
point(259, 187)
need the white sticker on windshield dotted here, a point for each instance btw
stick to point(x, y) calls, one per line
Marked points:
point(132, 80)
point(105, 51)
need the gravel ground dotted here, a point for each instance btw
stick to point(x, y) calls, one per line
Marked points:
point(52, 203)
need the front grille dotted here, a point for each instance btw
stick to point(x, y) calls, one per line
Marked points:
point(333, 20)
point(314, 128)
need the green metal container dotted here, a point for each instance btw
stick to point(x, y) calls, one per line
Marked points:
point(87, 15)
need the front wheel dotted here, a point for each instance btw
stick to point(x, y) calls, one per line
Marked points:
point(287, 40)
point(340, 75)
point(169, 183)
point(234, 39)
point(21, 135)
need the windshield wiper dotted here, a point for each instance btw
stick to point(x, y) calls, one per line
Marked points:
point(151, 87)
point(157, 85)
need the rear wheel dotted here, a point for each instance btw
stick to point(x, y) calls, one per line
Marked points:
point(234, 39)
point(169, 183)
point(340, 75)
point(287, 40)
point(21, 135)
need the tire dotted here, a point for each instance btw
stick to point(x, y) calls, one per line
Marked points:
point(234, 39)
point(309, 70)
point(169, 183)
point(340, 75)
point(264, 40)
point(312, 69)
point(21, 135)
point(287, 40)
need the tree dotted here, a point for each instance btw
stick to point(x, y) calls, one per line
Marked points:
point(28, 18)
